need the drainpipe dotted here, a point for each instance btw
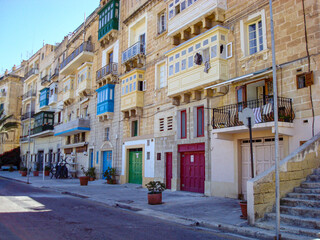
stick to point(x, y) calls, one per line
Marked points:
point(308, 55)
point(275, 102)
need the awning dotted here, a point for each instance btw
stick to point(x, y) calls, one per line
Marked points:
point(249, 76)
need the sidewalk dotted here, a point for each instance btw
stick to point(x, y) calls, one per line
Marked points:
point(181, 207)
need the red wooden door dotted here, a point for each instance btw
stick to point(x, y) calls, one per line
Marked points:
point(192, 171)
point(168, 170)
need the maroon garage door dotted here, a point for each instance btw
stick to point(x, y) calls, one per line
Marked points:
point(192, 167)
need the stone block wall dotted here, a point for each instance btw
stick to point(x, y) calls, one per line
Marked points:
point(293, 170)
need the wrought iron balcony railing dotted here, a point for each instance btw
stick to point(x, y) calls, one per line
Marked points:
point(134, 50)
point(30, 93)
point(111, 68)
point(84, 47)
point(228, 116)
point(55, 73)
point(27, 115)
point(45, 79)
point(31, 72)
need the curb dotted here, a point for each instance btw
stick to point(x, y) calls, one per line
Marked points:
point(13, 179)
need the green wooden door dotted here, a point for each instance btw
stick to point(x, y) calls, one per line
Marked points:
point(135, 166)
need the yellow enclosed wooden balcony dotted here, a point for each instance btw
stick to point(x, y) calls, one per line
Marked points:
point(132, 92)
point(197, 63)
point(84, 79)
point(68, 89)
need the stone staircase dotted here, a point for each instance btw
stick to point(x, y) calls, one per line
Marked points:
point(300, 210)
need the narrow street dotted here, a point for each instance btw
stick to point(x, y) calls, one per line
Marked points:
point(32, 213)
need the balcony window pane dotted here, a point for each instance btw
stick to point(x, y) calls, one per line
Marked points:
point(111, 94)
point(183, 64)
point(170, 70)
point(177, 67)
point(214, 51)
point(190, 61)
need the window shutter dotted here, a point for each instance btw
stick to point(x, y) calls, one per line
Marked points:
point(309, 78)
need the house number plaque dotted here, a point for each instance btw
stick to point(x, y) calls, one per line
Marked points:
point(192, 158)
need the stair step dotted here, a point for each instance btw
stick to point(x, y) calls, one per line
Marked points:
point(306, 190)
point(310, 184)
point(312, 223)
point(298, 202)
point(309, 196)
point(284, 228)
point(301, 211)
point(316, 171)
point(313, 178)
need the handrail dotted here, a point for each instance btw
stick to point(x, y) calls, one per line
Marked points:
point(228, 116)
point(132, 51)
point(30, 93)
point(107, 69)
point(26, 115)
point(45, 79)
point(86, 46)
point(31, 72)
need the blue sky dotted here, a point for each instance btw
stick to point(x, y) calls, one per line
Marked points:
point(26, 24)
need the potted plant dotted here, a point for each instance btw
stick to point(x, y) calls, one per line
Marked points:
point(243, 205)
point(47, 170)
point(155, 189)
point(23, 171)
point(11, 169)
point(84, 179)
point(110, 175)
point(36, 171)
point(92, 173)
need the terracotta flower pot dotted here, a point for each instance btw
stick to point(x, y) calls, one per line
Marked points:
point(154, 198)
point(91, 178)
point(35, 173)
point(111, 181)
point(84, 181)
point(243, 206)
point(23, 173)
point(46, 173)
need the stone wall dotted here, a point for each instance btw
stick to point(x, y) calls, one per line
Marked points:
point(293, 170)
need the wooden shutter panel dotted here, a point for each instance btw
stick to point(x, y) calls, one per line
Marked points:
point(309, 78)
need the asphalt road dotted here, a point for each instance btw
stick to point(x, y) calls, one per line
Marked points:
point(28, 213)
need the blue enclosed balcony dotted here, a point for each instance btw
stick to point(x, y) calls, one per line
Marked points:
point(44, 97)
point(105, 105)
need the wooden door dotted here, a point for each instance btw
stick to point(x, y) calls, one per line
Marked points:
point(168, 169)
point(135, 166)
point(192, 171)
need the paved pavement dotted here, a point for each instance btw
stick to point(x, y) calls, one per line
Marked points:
point(181, 207)
point(30, 213)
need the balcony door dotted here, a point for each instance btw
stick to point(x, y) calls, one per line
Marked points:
point(142, 39)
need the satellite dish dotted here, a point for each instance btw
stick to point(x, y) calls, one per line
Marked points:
point(245, 115)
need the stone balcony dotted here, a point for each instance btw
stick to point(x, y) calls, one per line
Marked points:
point(84, 53)
point(186, 20)
point(72, 127)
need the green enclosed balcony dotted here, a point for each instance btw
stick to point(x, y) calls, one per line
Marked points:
point(108, 21)
point(43, 124)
